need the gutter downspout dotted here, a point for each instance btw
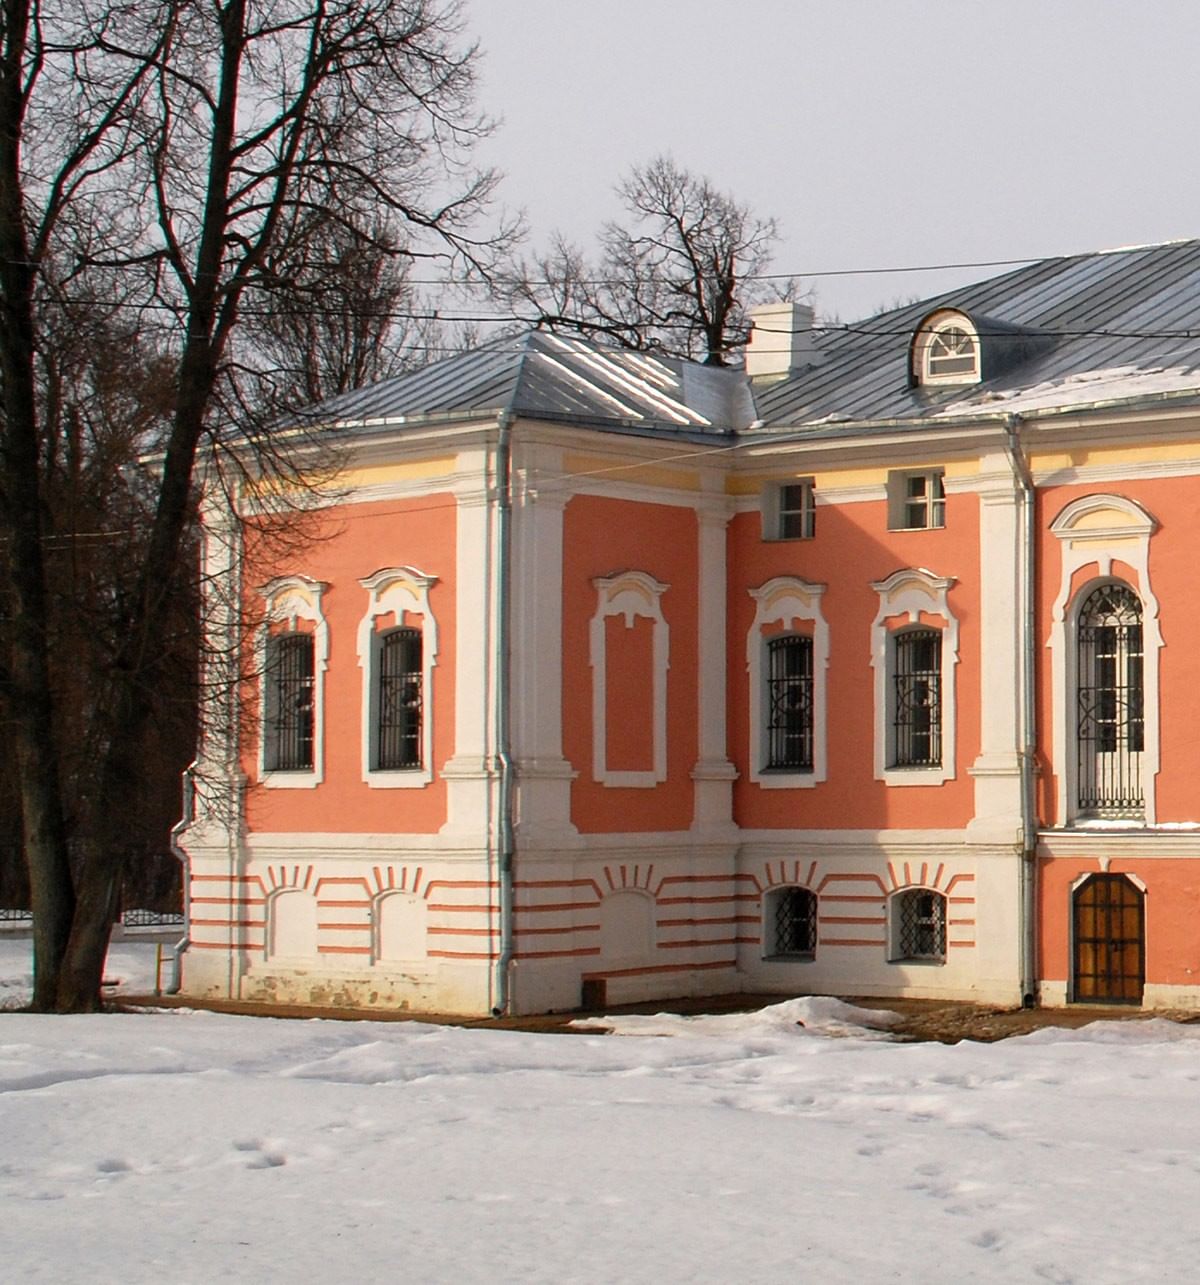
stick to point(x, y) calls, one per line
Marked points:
point(177, 851)
point(504, 759)
point(1028, 730)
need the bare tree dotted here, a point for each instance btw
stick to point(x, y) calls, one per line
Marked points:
point(677, 279)
point(229, 122)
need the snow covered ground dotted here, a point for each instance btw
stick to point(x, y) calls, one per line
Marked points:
point(187, 1146)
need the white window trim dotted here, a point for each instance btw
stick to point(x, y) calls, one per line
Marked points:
point(397, 591)
point(909, 593)
point(786, 601)
point(1094, 531)
point(772, 511)
point(629, 594)
point(930, 328)
point(290, 599)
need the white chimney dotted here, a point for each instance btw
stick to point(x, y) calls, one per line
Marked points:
point(781, 340)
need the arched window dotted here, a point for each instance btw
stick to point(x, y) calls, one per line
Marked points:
point(953, 352)
point(791, 923)
point(398, 700)
point(1110, 716)
point(918, 925)
point(790, 704)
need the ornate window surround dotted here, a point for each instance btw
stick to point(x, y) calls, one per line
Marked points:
point(291, 599)
point(1097, 530)
point(912, 592)
point(629, 594)
point(400, 591)
point(786, 601)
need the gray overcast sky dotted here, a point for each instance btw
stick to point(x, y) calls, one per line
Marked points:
point(877, 132)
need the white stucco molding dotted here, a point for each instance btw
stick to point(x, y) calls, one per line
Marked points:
point(289, 600)
point(786, 601)
point(908, 594)
point(629, 594)
point(1094, 531)
point(399, 592)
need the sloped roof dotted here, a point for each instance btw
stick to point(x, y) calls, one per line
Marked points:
point(543, 376)
point(1117, 326)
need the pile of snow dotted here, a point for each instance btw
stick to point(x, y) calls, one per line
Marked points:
point(196, 1147)
point(809, 1015)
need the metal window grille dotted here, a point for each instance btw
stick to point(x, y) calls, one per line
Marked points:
point(924, 501)
point(917, 684)
point(790, 703)
point(1110, 705)
point(796, 512)
point(289, 702)
point(795, 922)
point(398, 742)
point(921, 931)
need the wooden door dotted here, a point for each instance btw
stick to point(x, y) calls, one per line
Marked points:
point(1110, 941)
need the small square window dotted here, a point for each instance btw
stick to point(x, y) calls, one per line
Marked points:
point(916, 501)
point(789, 511)
point(791, 927)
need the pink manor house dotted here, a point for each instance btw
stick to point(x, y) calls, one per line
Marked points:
point(608, 677)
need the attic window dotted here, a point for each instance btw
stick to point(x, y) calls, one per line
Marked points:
point(946, 351)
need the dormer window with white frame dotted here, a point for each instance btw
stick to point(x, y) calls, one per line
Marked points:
point(945, 350)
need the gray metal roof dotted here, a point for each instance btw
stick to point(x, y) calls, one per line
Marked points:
point(1118, 326)
point(1121, 326)
point(543, 376)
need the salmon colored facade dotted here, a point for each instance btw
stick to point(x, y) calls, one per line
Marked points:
point(645, 693)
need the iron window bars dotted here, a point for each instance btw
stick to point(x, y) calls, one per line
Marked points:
point(917, 696)
point(1110, 706)
point(790, 704)
point(921, 931)
point(795, 922)
point(289, 703)
point(398, 736)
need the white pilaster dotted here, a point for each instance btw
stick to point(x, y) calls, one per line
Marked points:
point(543, 775)
point(713, 775)
point(471, 777)
point(997, 770)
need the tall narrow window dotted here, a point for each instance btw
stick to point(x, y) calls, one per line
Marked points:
point(1110, 704)
point(790, 704)
point(288, 716)
point(917, 698)
point(399, 700)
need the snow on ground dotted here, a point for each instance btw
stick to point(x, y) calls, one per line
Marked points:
point(193, 1147)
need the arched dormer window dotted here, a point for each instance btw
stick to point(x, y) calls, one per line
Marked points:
point(945, 350)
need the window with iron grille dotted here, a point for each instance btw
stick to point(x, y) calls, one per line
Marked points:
point(917, 698)
point(399, 700)
point(288, 713)
point(792, 922)
point(919, 925)
point(790, 704)
point(1109, 702)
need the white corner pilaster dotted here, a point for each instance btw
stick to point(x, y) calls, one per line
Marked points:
point(471, 778)
point(997, 770)
point(543, 775)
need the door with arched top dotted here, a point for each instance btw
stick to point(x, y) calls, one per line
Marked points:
point(1109, 922)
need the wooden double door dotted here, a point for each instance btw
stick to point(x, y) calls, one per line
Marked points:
point(1109, 922)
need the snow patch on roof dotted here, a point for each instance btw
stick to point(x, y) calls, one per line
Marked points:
point(1083, 388)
